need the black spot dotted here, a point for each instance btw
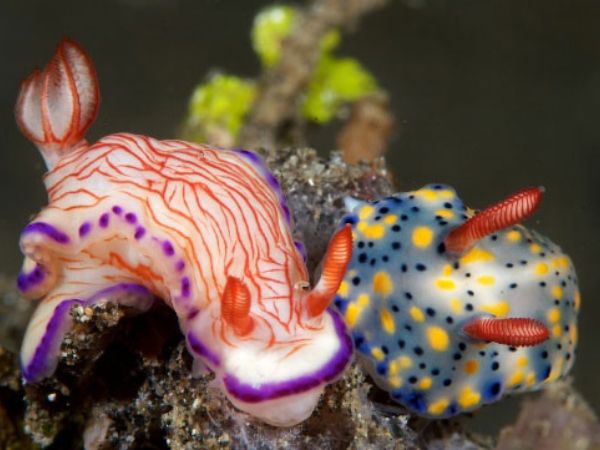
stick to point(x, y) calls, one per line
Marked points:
point(449, 320)
point(568, 356)
point(494, 237)
point(401, 343)
point(559, 346)
point(512, 349)
point(373, 261)
point(448, 205)
point(437, 187)
point(556, 302)
point(408, 295)
point(377, 218)
point(370, 245)
point(403, 268)
point(566, 327)
point(384, 349)
point(396, 245)
point(442, 223)
point(510, 265)
point(356, 281)
point(469, 307)
point(447, 382)
point(468, 274)
point(411, 196)
point(403, 217)
point(362, 258)
point(471, 293)
point(396, 228)
point(456, 356)
point(512, 285)
point(385, 258)
point(338, 304)
point(421, 267)
point(430, 312)
point(523, 262)
point(462, 346)
point(492, 391)
point(441, 248)
point(418, 351)
point(412, 380)
point(360, 244)
point(542, 284)
point(435, 372)
point(384, 210)
point(395, 308)
point(456, 265)
point(358, 341)
point(481, 353)
point(495, 365)
point(415, 209)
point(422, 366)
point(408, 327)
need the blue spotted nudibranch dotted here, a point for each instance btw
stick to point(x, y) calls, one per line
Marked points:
point(450, 310)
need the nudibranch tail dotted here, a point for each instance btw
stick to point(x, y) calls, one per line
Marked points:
point(510, 211)
point(517, 332)
point(56, 106)
point(235, 306)
point(335, 263)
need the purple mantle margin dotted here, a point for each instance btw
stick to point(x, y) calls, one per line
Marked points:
point(251, 394)
point(37, 367)
point(49, 230)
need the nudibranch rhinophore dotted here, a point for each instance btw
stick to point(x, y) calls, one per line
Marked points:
point(450, 310)
point(131, 219)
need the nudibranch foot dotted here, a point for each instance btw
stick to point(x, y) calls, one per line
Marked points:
point(446, 331)
point(131, 219)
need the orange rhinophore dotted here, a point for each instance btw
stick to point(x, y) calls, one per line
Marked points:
point(132, 219)
point(516, 331)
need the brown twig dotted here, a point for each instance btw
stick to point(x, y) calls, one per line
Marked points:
point(281, 87)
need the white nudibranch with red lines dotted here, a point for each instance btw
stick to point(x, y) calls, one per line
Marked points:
point(132, 219)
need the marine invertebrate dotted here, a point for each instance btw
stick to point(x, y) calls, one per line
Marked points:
point(449, 309)
point(131, 219)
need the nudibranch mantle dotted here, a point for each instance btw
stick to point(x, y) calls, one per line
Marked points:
point(131, 219)
point(406, 302)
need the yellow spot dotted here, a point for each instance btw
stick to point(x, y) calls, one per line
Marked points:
point(472, 366)
point(438, 338)
point(377, 354)
point(556, 370)
point(416, 313)
point(486, 280)
point(573, 333)
point(438, 407)
point(468, 397)
point(499, 309)
point(513, 236)
point(446, 194)
point(445, 284)
point(363, 300)
point(395, 382)
point(556, 331)
point(577, 300)
point(382, 283)
point(522, 361)
point(373, 231)
point(530, 379)
point(553, 315)
point(365, 212)
point(390, 219)
point(425, 383)
point(560, 262)
point(445, 213)
point(535, 248)
point(516, 378)
point(387, 321)
point(352, 313)
point(422, 237)
point(404, 362)
point(447, 270)
point(393, 368)
point(456, 305)
point(541, 269)
point(427, 194)
point(476, 255)
point(557, 292)
point(343, 290)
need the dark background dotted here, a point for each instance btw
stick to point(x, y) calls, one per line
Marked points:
point(490, 96)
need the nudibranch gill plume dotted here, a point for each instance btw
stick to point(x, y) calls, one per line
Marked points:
point(450, 310)
point(131, 219)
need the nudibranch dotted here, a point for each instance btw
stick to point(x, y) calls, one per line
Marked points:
point(131, 219)
point(451, 309)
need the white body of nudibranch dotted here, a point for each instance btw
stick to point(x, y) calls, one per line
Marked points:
point(131, 219)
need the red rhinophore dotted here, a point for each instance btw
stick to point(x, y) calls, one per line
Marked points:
point(335, 263)
point(235, 306)
point(56, 106)
point(509, 211)
point(518, 332)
